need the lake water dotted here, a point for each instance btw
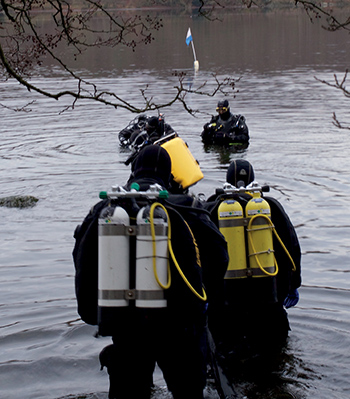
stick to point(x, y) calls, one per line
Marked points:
point(66, 159)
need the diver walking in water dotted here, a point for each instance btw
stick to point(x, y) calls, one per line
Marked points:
point(163, 323)
point(262, 278)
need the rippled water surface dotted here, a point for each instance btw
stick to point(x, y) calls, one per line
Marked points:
point(65, 159)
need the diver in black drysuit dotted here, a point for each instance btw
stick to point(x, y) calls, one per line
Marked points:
point(153, 130)
point(173, 337)
point(134, 128)
point(156, 128)
point(146, 130)
point(225, 128)
point(253, 325)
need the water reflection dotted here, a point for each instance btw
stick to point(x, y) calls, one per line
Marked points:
point(225, 152)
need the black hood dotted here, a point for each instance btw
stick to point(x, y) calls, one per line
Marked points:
point(224, 104)
point(153, 162)
point(152, 124)
point(240, 173)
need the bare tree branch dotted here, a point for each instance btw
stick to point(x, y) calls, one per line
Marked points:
point(23, 46)
point(25, 108)
point(315, 10)
point(339, 85)
point(338, 124)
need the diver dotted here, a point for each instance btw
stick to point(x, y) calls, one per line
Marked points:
point(156, 128)
point(173, 336)
point(153, 129)
point(252, 327)
point(144, 130)
point(136, 126)
point(225, 128)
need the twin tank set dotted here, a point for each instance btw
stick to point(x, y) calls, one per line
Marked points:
point(133, 258)
point(248, 230)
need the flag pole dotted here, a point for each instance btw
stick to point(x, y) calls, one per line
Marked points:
point(189, 40)
point(196, 63)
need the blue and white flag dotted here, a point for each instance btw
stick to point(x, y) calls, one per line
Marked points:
point(188, 37)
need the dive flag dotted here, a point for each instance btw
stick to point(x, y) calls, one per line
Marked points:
point(188, 37)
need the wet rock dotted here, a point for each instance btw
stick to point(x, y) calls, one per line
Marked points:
point(19, 201)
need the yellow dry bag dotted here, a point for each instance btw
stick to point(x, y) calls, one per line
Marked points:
point(184, 167)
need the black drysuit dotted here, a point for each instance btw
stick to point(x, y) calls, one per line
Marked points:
point(175, 336)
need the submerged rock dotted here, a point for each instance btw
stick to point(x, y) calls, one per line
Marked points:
point(19, 201)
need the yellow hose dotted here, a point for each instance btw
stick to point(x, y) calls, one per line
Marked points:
point(167, 285)
point(153, 206)
point(272, 227)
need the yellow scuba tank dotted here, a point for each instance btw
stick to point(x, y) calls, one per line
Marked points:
point(262, 262)
point(231, 225)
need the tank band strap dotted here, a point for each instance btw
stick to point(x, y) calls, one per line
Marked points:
point(112, 294)
point(145, 230)
point(232, 222)
point(250, 272)
point(131, 294)
point(160, 294)
point(111, 229)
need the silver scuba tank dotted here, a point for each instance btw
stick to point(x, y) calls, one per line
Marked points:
point(151, 258)
point(113, 257)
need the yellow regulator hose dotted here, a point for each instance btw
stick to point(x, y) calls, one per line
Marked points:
point(153, 206)
point(271, 226)
point(153, 233)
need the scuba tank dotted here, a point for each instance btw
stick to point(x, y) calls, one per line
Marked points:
point(151, 258)
point(113, 257)
point(231, 225)
point(262, 260)
point(113, 267)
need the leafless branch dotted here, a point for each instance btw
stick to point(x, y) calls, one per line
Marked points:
point(338, 84)
point(23, 47)
point(315, 11)
point(339, 124)
point(25, 108)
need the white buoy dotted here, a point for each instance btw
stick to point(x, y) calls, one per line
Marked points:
point(196, 65)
